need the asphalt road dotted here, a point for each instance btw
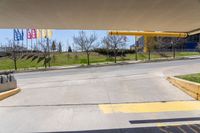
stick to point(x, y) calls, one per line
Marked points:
point(68, 100)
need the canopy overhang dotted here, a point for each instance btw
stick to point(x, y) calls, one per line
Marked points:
point(144, 15)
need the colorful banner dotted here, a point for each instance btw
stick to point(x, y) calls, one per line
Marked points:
point(31, 33)
point(18, 36)
point(44, 33)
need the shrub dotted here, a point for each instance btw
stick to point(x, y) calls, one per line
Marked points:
point(110, 52)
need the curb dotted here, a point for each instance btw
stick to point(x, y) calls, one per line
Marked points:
point(9, 93)
point(191, 88)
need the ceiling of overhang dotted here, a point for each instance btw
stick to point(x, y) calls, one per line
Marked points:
point(146, 15)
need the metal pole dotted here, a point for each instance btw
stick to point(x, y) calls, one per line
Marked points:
point(31, 44)
point(22, 38)
point(27, 39)
point(48, 47)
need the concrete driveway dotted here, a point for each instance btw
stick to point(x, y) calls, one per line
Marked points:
point(68, 100)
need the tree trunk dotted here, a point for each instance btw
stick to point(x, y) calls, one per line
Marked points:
point(88, 59)
point(149, 55)
point(107, 54)
point(115, 54)
point(45, 60)
point(15, 64)
point(115, 57)
point(49, 63)
point(45, 63)
point(136, 56)
point(15, 60)
point(174, 52)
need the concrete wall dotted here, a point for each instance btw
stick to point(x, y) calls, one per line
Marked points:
point(7, 83)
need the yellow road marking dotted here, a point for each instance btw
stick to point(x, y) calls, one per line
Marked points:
point(161, 125)
point(150, 107)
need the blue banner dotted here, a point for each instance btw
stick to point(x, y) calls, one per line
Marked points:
point(18, 36)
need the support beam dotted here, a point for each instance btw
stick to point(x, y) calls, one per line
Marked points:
point(197, 31)
point(151, 34)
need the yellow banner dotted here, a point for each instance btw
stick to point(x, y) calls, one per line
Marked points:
point(44, 33)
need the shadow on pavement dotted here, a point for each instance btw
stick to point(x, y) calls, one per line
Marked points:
point(165, 120)
point(168, 129)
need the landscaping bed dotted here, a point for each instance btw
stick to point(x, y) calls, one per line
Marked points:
point(191, 77)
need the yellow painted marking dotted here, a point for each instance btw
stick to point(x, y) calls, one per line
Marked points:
point(150, 107)
point(161, 125)
point(9, 93)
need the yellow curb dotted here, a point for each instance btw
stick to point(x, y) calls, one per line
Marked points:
point(7, 94)
point(191, 88)
point(154, 107)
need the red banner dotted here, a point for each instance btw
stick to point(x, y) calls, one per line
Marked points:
point(31, 33)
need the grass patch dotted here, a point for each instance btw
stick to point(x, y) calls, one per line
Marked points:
point(67, 59)
point(191, 77)
point(187, 54)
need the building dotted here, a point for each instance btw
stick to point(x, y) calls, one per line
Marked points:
point(192, 42)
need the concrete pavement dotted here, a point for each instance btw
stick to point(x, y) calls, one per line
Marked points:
point(68, 100)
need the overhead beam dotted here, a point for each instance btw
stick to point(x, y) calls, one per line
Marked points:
point(150, 34)
point(194, 32)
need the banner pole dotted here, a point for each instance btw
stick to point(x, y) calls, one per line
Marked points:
point(31, 44)
point(27, 39)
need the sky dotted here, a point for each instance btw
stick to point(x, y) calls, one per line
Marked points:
point(64, 36)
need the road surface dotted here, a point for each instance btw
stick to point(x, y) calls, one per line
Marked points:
point(75, 99)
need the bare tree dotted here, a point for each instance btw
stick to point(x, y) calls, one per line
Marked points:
point(14, 51)
point(106, 46)
point(85, 43)
point(53, 50)
point(42, 56)
point(53, 46)
point(75, 51)
point(45, 55)
point(115, 42)
point(151, 45)
point(173, 43)
point(59, 47)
